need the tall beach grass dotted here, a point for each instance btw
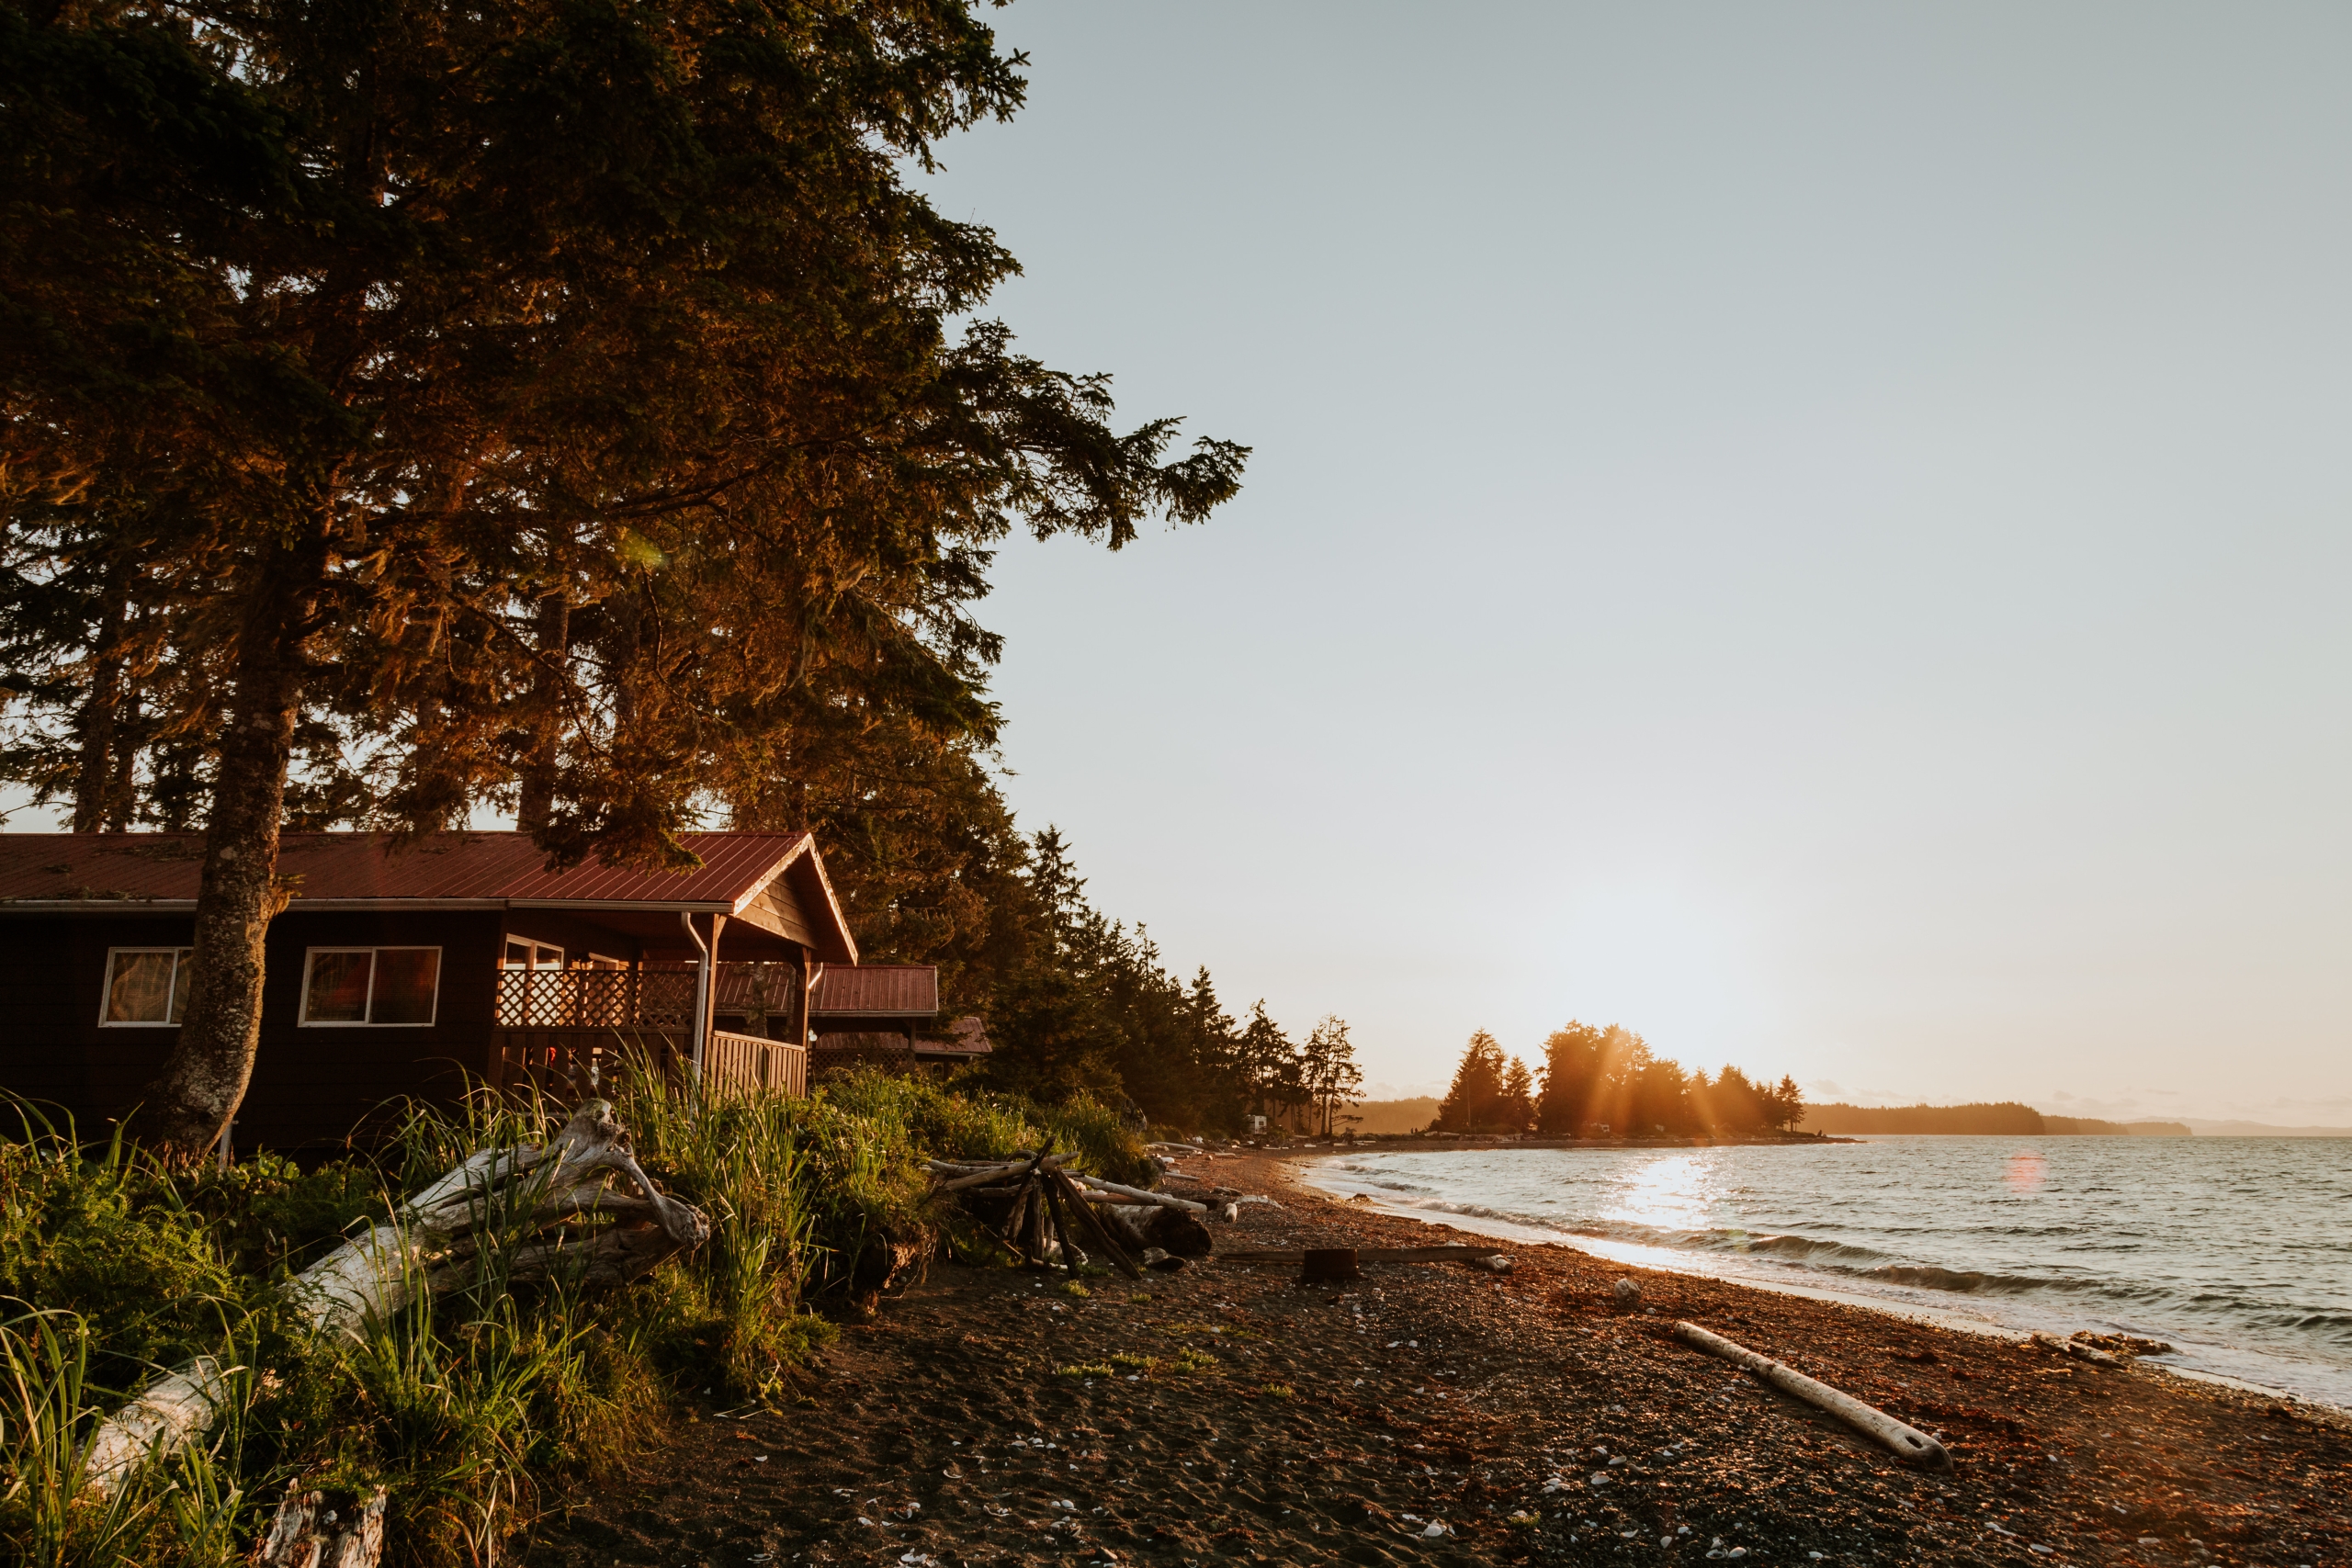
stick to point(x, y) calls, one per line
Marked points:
point(476, 1409)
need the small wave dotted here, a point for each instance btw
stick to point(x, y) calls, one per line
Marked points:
point(1801, 1248)
point(1468, 1211)
point(2334, 1327)
point(1965, 1282)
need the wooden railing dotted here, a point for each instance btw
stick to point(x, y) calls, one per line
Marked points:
point(745, 1063)
point(567, 1030)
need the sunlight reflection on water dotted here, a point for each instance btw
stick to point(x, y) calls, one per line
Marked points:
point(1675, 1192)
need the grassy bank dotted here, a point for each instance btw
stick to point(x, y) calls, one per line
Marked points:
point(477, 1408)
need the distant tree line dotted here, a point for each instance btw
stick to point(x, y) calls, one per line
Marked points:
point(1075, 1001)
point(1594, 1079)
point(2001, 1119)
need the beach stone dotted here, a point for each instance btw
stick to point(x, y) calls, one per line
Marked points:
point(1629, 1292)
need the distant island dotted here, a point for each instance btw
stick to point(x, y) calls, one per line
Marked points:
point(1390, 1117)
point(2005, 1119)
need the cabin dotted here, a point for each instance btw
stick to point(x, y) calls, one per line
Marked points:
point(887, 1015)
point(414, 972)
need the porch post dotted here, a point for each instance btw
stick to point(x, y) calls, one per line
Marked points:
point(710, 994)
point(700, 1024)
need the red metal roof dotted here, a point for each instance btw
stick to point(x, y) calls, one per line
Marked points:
point(733, 992)
point(340, 867)
point(877, 990)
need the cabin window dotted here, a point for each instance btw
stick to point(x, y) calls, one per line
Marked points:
point(525, 955)
point(145, 985)
point(378, 986)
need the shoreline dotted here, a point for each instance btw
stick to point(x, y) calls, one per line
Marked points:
point(1435, 1412)
point(1954, 1319)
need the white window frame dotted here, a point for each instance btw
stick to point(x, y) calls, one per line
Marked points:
point(538, 951)
point(310, 956)
point(105, 991)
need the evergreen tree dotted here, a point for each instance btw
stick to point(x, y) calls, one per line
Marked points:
point(1732, 1104)
point(1656, 1097)
point(1518, 1106)
point(1609, 1077)
point(1329, 1070)
point(1475, 1101)
point(1272, 1064)
point(497, 407)
point(1572, 1076)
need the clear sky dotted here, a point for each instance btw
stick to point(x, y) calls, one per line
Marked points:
point(1818, 532)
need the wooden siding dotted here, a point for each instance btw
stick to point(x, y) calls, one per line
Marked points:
point(311, 1086)
point(777, 908)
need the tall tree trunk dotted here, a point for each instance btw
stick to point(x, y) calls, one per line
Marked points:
point(203, 1080)
point(537, 805)
point(93, 773)
point(122, 789)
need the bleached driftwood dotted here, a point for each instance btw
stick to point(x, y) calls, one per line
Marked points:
point(1907, 1442)
point(526, 1199)
point(989, 1175)
point(1044, 1208)
point(1140, 1196)
point(309, 1533)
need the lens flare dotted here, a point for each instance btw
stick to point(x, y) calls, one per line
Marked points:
point(2026, 1169)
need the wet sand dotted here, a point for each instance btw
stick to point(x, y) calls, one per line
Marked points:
point(1435, 1412)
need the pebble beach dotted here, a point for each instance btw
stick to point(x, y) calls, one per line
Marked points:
point(1438, 1413)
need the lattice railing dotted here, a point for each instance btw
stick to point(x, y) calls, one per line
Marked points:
point(570, 1030)
point(650, 996)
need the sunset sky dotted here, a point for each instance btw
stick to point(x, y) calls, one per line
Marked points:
point(1818, 532)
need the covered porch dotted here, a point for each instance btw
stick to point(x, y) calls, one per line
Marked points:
point(730, 1010)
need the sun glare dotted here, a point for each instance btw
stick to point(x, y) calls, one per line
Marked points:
point(1678, 1192)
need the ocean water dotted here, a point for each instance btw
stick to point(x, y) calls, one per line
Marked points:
point(2237, 1251)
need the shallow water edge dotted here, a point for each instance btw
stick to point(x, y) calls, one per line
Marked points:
point(1999, 1237)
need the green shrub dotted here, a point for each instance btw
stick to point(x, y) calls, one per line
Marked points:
point(102, 1235)
point(924, 1115)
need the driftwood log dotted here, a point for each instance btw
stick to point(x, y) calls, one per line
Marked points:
point(1141, 1196)
point(322, 1530)
point(557, 1210)
point(1906, 1442)
point(1032, 1206)
point(1046, 1216)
